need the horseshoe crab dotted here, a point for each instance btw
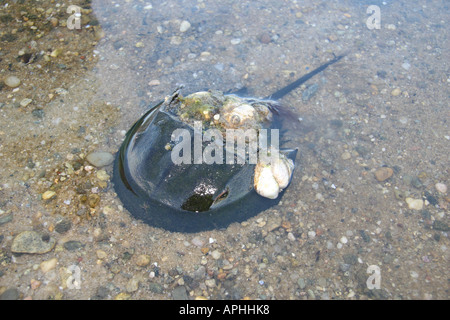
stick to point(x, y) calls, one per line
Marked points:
point(164, 181)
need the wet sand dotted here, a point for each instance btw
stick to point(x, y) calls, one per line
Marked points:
point(385, 105)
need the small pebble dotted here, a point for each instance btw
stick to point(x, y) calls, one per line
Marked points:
point(10, 294)
point(211, 283)
point(216, 255)
point(403, 120)
point(179, 293)
point(383, 173)
point(440, 226)
point(332, 37)
point(100, 159)
point(320, 197)
point(132, 285)
point(168, 60)
point(32, 242)
point(54, 21)
point(301, 283)
point(34, 284)
point(197, 241)
point(414, 204)
point(311, 234)
point(414, 274)
point(442, 188)
point(47, 195)
point(12, 81)
point(55, 53)
point(396, 92)
point(143, 260)
point(343, 240)
point(184, 26)
point(93, 200)
point(154, 83)
point(48, 265)
point(63, 226)
point(122, 296)
point(101, 254)
point(391, 26)
point(406, 65)
point(235, 41)
point(102, 175)
point(265, 38)
point(72, 245)
point(25, 102)
point(6, 218)
point(346, 155)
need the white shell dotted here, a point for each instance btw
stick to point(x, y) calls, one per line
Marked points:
point(238, 114)
point(282, 171)
point(265, 183)
point(271, 178)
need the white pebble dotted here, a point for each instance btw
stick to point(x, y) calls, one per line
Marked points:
point(154, 83)
point(197, 241)
point(344, 240)
point(12, 81)
point(216, 255)
point(185, 25)
point(414, 204)
point(48, 265)
point(403, 120)
point(406, 65)
point(311, 234)
point(25, 102)
point(442, 188)
point(319, 197)
point(100, 159)
point(391, 27)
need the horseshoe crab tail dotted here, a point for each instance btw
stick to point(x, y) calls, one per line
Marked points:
point(287, 89)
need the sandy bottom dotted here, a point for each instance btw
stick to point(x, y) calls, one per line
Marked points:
point(385, 105)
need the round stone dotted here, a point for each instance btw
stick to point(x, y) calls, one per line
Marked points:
point(47, 195)
point(442, 188)
point(346, 155)
point(32, 242)
point(143, 260)
point(216, 255)
point(100, 159)
point(48, 265)
point(396, 92)
point(383, 174)
point(185, 25)
point(414, 204)
point(12, 81)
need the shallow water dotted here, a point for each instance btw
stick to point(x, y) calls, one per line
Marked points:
point(384, 105)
